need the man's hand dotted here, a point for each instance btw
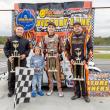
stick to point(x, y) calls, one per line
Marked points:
point(72, 61)
point(10, 59)
point(46, 55)
point(23, 56)
point(57, 55)
point(84, 62)
point(90, 53)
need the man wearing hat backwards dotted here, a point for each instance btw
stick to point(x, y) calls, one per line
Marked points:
point(80, 40)
point(51, 43)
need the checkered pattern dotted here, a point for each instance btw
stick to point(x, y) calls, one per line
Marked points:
point(92, 58)
point(23, 85)
point(92, 31)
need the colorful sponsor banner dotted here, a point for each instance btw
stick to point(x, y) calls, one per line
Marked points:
point(99, 84)
point(26, 19)
point(35, 17)
point(62, 14)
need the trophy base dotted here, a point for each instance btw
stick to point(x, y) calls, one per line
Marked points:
point(52, 57)
point(12, 71)
point(78, 79)
point(52, 70)
point(14, 56)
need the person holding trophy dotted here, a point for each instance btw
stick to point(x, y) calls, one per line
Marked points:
point(79, 47)
point(52, 49)
point(16, 50)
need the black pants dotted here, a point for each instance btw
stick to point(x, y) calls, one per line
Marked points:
point(80, 86)
point(11, 76)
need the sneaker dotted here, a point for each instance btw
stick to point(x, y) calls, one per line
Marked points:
point(60, 94)
point(49, 92)
point(75, 97)
point(40, 93)
point(87, 99)
point(33, 94)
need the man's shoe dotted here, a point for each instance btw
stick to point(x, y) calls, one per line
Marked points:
point(87, 99)
point(49, 92)
point(75, 97)
point(33, 94)
point(11, 93)
point(40, 93)
point(60, 94)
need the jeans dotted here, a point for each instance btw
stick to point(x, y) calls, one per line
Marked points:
point(37, 79)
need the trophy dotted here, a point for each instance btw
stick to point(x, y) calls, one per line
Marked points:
point(51, 59)
point(15, 55)
point(78, 70)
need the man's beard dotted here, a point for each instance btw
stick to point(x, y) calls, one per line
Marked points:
point(78, 32)
point(19, 35)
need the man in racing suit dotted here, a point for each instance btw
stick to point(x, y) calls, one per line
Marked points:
point(23, 49)
point(51, 43)
point(79, 39)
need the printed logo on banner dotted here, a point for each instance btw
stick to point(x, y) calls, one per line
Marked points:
point(99, 84)
point(26, 19)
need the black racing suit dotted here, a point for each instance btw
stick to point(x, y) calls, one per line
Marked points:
point(23, 48)
point(77, 41)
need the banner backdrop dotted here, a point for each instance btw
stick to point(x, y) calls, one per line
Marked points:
point(35, 17)
point(99, 84)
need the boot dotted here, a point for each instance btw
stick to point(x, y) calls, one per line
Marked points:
point(87, 99)
point(11, 93)
point(75, 97)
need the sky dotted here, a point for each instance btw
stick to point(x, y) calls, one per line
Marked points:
point(102, 16)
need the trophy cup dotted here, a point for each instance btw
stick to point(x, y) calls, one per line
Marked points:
point(15, 56)
point(51, 59)
point(78, 70)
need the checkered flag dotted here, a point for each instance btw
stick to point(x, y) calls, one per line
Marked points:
point(23, 85)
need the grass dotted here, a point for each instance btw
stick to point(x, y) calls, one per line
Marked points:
point(102, 56)
point(107, 49)
point(3, 40)
point(101, 41)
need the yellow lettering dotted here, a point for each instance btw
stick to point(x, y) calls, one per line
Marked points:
point(101, 83)
point(89, 88)
point(102, 88)
point(65, 21)
point(42, 23)
point(92, 82)
point(46, 22)
point(97, 88)
point(96, 83)
point(93, 88)
point(38, 23)
point(106, 83)
point(56, 22)
point(61, 22)
point(78, 19)
point(107, 88)
point(88, 22)
point(71, 21)
point(83, 21)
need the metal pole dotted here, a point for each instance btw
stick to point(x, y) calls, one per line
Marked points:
point(7, 10)
point(100, 7)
